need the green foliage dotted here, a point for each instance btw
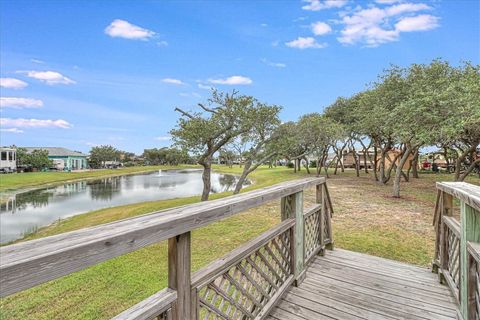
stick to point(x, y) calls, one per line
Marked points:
point(169, 156)
point(37, 159)
point(100, 154)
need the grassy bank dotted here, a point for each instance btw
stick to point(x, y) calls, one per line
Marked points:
point(35, 179)
point(366, 219)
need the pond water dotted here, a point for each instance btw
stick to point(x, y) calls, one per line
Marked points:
point(23, 213)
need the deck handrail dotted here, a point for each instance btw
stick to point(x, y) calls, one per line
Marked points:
point(457, 247)
point(27, 264)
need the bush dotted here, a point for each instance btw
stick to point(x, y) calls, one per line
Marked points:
point(290, 165)
point(313, 163)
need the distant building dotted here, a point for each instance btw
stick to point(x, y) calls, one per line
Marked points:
point(8, 160)
point(64, 159)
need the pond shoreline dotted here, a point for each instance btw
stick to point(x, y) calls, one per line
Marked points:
point(33, 209)
point(10, 192)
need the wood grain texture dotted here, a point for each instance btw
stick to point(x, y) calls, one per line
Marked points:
point(348, 285)
point(30, 263)
point(466, 192)
point(151, 307)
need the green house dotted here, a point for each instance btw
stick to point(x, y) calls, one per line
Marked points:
point(64, 159)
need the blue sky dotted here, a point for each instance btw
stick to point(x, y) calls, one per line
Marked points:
point(83, 73)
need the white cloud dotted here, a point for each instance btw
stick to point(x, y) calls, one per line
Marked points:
point(162, 43)
point(233, 80)
point(37, 61)
point(205, 87)
point(273, 64)
point(320, 28)
point(173, 81)
point(124, 29)
point(163, 138)
point(20, 103)
point(34, 123)
point(387, 1)
point(264, 25)
point(12, 130)
point(421, 22)
point(12, 83)
point(373, 26)
point(305, 43)
point(49, 77)
point(316, 5)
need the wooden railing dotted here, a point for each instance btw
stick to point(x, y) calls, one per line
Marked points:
point(457, 248)
point(244, 284)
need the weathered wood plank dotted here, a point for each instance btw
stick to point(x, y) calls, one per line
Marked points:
point(30, 263)
point(409, 301)
point(367, 274)
point(292, 208)
point(474, 249)
point(179, 274)
point(335, 287)
point(470, 231)
point(453, 224)
point(466, 192)
point(150, 307)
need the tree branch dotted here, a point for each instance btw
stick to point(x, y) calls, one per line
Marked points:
point(186, 114)
point(207, 109)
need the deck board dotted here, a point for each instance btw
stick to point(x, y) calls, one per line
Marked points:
point(349, 285)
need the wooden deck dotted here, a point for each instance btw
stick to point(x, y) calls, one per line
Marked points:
point(349, 285)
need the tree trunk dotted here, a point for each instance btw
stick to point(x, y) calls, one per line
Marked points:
point(469, 169)
point(243, 176)
point(375, 163)
point(461, 159)
point(318, 169)
point(447, 161)
point(326, 166)
point(306, 165)
point(414, 165)
point(381, 168)
point(207, 185)
point(356, 161)
point(398, 173)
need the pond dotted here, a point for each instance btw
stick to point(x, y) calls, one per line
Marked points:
point(25, 212)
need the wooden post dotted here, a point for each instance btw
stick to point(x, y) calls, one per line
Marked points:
point(437, 224)
point(320, 198)
point(328, 216)
point(470, 231)
point(179, 275)
point(292, 208)
point(446, 210)
point(472, 286)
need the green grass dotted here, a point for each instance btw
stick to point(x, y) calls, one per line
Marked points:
point(366, 219)
point(36, 179)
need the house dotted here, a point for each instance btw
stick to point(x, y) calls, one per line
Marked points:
point(64, 159)
point(349, 160)
point(8, 160)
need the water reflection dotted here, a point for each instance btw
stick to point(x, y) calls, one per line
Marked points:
point(24, 212)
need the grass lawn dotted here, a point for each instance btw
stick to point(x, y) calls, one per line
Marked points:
point(366, 219)
point(35, 179)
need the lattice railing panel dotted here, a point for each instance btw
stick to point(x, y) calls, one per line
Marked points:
point(312, 233)
point(165, 315)
point(326, 229)
point(242, 291)
point(453, 249)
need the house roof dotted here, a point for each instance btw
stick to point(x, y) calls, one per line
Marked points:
point(57, 151)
